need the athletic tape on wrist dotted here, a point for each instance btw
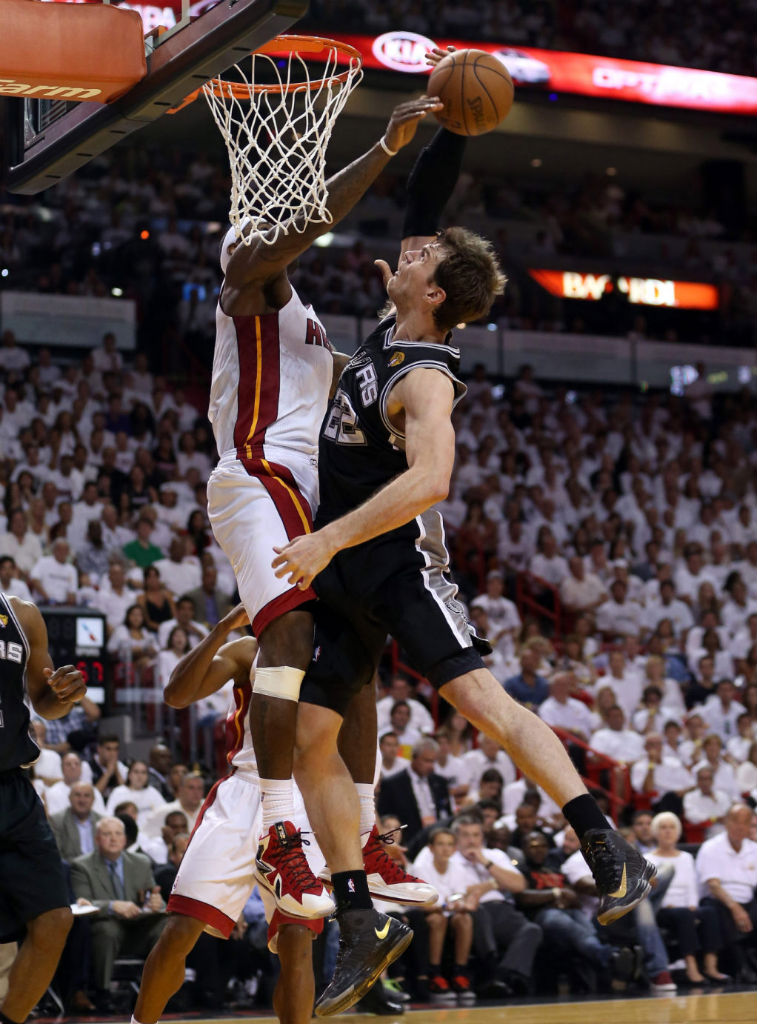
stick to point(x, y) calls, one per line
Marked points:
point(282, 682)
point(389, 152)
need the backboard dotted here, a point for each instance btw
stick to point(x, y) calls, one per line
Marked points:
point(49, 139)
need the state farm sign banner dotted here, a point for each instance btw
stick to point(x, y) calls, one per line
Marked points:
point(580, 73)
point(643, 291)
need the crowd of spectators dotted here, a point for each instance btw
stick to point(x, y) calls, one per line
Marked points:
point(630, 529)
point(717, 40)
point(148, 224)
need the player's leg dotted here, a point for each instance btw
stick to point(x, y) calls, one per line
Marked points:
point(251, 512)
point(33, 893)
point(286, 647)
point(35, 963)
point(369, 941)
point(294, 994)
point(163, 973)
point(418, 605)
point(328, 791)
point(387, 879)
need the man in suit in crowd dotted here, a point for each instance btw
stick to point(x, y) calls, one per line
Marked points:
point(74, 828)
point(211, 604)
point(417, 796)
point(122, 887)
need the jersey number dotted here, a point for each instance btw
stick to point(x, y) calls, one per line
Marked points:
point(341, 426)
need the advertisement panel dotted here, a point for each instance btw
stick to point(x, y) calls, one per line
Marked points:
point(642, 291)
point(578, 73)
point(555, 71)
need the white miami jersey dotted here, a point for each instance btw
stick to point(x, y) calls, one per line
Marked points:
point(239, 750)
point(271, 379)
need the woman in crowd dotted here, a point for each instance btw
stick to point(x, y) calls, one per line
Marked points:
point(407, 734)
point(132, 641)
point(679, 909)
point(459, 733)
point(138, 791)
point(169, 657)
point(155, 600)
point(198, 532)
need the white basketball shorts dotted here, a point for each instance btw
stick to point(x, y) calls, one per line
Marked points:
point(255, 505)
point(217, 874)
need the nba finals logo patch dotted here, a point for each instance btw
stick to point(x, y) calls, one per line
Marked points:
point(3, 621)
point(397, 358)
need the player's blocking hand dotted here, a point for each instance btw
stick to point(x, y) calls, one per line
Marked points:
point(405, 118)
point(67, 683)
point(434, 56)
point(303, 558)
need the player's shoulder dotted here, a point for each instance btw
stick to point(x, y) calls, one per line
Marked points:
point(25, 611)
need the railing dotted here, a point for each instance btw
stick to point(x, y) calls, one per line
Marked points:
point(527, 590)
point(619, 791)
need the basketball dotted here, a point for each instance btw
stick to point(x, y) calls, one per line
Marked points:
point(476, 90)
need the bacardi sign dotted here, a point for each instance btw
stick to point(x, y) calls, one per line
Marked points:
point(642, 291)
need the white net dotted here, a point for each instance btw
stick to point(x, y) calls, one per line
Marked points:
point(276, 123)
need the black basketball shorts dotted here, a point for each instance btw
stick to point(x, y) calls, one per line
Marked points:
point(394, 585)
point(32, 879)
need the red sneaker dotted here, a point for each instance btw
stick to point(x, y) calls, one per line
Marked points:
point(461, 984)
point(387, 879)
point(282, 869)
point(440, 990)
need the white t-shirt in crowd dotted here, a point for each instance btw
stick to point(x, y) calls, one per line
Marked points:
point(736, 870)
point(147, 801)
point(683, 890)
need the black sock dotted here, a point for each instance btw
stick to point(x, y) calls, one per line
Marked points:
point(583, 813)
point(8, 1020)
point(351, 890)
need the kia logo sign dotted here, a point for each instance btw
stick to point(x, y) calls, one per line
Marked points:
point(403, 51)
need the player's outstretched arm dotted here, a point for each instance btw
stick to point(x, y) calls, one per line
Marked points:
point(261, 262)
point(212, 662)
point(53, 692)
point(426, 396)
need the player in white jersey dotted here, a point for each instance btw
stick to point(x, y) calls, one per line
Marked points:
point(272, 371)
point(216, 877)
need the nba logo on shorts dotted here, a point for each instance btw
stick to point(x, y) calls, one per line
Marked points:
point(350, 885)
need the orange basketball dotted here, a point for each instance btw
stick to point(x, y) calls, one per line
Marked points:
point(476, 90)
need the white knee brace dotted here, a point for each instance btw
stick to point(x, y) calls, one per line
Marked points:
point(283, 682)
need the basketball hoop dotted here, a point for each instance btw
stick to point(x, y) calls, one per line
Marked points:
point(276, 123)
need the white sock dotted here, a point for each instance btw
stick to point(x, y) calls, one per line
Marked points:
point(278, 801)
point(134, 1020)
point(367, 810)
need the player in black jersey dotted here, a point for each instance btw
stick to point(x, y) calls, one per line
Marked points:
point(33, 889)
point(378, 559)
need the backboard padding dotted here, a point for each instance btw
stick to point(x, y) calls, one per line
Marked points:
point(188, 58)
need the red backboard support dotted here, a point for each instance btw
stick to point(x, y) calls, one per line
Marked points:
point(42, 155)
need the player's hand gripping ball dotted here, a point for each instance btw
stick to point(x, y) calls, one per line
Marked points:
point(476, 90)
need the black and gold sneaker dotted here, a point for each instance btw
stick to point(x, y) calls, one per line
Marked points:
point(368, 943)
point(622, 875)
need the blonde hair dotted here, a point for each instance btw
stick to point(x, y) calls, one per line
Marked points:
point(666, 818)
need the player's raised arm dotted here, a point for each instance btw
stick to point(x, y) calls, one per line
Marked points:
point(261, 262)
point(52, 691)
point(426, 396)
point(212, 662)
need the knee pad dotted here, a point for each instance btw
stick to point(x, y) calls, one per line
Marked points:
point(282, 682)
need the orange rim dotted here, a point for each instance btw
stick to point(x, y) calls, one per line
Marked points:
point(282, 46)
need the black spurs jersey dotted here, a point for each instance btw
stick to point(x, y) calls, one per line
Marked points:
point(360, 450)
point(17, 748)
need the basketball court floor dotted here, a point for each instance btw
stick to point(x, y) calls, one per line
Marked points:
point(716, 1008)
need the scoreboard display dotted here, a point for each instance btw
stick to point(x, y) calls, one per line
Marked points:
point(77, 636)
